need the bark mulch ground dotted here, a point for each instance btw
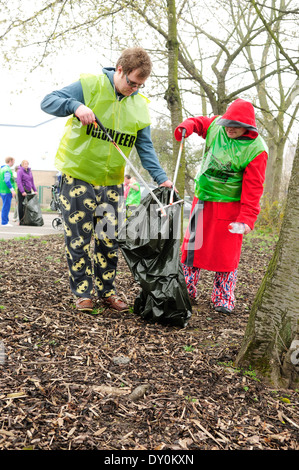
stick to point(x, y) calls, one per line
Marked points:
point(112, 381)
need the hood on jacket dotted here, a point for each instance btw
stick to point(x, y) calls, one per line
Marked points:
point(23, 169)
point(240, 114)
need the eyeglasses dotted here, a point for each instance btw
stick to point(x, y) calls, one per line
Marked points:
point(133, 84)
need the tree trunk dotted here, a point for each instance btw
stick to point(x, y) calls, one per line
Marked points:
point(274, 172)
point(173, 98)
point(270, 169)
point(278, 171)
point(172, 95)
point(271, 342)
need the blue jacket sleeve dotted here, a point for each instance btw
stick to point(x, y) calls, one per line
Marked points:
point(7, 180)
point(148, 156)
point(63, 102)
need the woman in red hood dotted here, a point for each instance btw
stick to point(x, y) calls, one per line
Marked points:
point(228, 188)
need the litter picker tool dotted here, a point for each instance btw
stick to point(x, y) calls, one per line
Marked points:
point(102, 127)
point(171, 203)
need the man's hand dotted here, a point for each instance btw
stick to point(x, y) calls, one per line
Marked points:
point(85, 115)
point(167, 184)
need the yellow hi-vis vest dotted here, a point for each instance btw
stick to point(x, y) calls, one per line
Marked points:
point(85, 152)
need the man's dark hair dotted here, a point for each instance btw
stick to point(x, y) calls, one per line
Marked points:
point(135, 58)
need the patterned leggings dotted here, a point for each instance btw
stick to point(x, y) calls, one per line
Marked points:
point(223, 288)
point(91, 213)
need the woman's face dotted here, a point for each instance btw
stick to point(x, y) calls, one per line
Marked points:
point(235, 132)
point(25, 165)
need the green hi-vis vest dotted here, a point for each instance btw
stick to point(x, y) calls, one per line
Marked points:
point(134, 197)
point(221, 174)
point(3, 186)
point(85, 152)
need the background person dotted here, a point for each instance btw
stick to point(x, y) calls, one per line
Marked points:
point(16, 211)
point(7, 189)
point(229, 185)
point(127, 179)
point(26, 186)
point(134, 195)
point(93, 169)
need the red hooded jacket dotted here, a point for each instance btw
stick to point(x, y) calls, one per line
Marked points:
point(217, 249)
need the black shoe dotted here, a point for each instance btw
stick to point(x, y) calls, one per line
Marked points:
point(222, 309)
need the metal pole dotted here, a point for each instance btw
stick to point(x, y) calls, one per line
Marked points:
point(130, 164)
point(177, 165)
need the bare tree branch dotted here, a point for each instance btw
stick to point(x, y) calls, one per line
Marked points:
point(274, 37)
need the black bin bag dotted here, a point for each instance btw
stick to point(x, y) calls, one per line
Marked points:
point(150, 244)
point(32, 211)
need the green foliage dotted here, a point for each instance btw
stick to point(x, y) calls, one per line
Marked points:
point(190, 399)
point(189, 348)
point(249, 372)
point(285, 400)
point(262, 238)
point(271, 214)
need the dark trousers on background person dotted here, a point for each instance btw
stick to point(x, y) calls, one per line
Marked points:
point(91, 213)
point(20, 204)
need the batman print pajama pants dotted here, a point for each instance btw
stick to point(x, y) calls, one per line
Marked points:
point(91, 215)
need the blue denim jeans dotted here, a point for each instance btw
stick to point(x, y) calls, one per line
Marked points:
point(6, 200)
